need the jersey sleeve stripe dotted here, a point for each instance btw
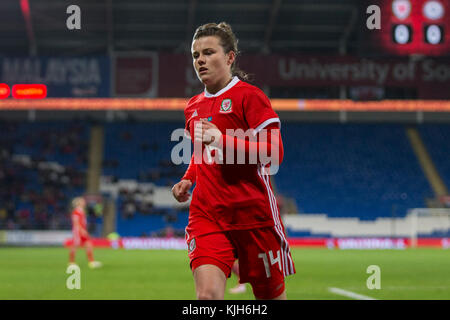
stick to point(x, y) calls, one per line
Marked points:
point(265, 124)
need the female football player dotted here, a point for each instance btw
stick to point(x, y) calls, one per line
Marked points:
point(233, 212)
point(80, 233)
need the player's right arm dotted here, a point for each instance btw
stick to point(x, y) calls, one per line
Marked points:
point(181, 189)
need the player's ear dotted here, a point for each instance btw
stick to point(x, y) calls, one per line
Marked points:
point(231, 57)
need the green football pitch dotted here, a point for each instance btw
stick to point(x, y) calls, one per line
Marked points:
point(40, 273)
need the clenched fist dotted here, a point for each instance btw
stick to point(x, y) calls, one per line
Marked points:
point(181, 190)
point(207, 133)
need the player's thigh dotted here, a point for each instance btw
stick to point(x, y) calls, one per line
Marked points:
point(88, 242)
point(210, 282)
point(211, 259)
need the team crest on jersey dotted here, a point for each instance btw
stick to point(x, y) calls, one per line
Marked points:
point(191, 245)
point(226, 105)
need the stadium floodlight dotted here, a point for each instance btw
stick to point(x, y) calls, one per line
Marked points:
point(426, 220)
point(433, 34)
point(402, 34)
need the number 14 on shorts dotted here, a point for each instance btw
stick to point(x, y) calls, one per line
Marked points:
point(264, 256)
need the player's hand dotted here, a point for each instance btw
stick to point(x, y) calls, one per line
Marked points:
point(181, 190)
point(208, 133)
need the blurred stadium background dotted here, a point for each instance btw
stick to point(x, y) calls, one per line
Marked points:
point(365, 123)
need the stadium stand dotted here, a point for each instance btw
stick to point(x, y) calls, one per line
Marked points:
point(358, 175)
point(360, 171)
point(137, 157)
point(437, 138)
point(42, 166)
point(140, 151)
point(353, 170)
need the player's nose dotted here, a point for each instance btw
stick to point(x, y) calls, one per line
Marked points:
point(201, 60)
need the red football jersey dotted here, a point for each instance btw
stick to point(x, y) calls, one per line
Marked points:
point(80, 215)
point(231, 196)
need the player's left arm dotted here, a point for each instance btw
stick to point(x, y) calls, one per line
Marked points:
point(265, 124)
point(267, 143)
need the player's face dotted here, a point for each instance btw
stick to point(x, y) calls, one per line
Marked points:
point(81, 203)
point(211, 63)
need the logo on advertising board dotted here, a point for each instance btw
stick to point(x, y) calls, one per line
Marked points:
point(78, 76)
point(136, 75)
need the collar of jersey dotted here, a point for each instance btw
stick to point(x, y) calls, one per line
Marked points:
point(228, 87)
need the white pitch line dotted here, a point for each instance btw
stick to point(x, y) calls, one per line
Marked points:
point(350, 294)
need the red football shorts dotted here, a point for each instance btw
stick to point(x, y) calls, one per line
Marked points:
point(79, 240)
point(264, 257)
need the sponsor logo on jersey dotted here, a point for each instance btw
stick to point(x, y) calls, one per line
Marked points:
point(192, 245)
point(225, 106)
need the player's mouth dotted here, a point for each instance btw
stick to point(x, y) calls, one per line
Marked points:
point(202, 70)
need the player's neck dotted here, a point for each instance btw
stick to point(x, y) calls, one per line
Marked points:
point(219, 86)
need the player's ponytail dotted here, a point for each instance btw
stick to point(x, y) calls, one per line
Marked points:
point(228, 42)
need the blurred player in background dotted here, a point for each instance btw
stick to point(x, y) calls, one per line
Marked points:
point(233, 213)
point(240, 287)
point(80, 233)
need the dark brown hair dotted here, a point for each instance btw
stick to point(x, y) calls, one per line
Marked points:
point(228, 42)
